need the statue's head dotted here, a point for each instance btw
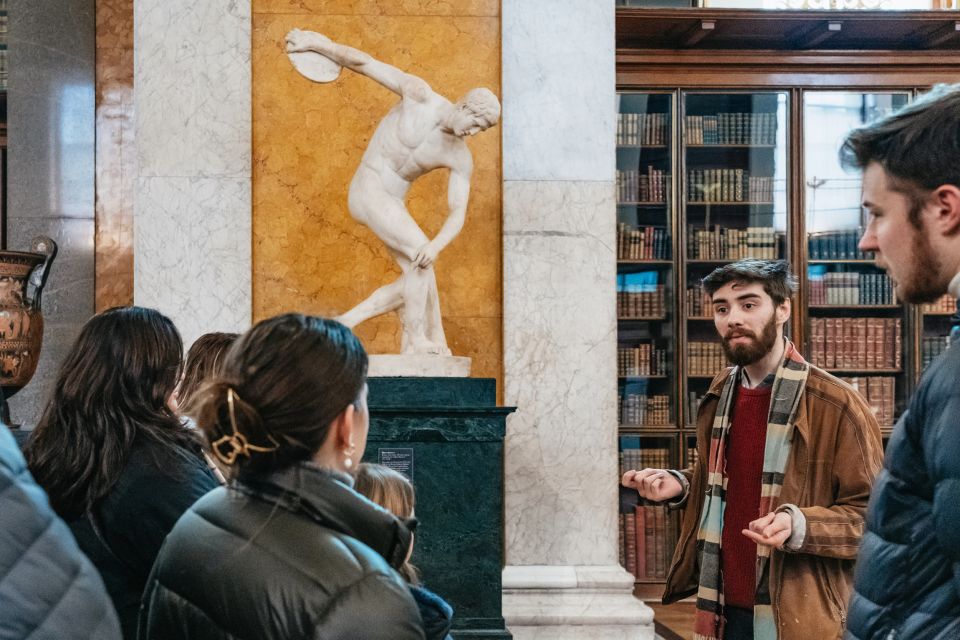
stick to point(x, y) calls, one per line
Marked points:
point(475, 112)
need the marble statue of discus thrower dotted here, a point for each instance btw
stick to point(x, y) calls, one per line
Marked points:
point(315, 66)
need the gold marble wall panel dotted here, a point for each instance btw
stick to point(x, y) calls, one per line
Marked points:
point(308, 254)
point(115, 154)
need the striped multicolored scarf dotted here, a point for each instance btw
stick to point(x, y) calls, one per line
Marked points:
point(785, 398)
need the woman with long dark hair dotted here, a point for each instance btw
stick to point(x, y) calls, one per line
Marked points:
point(289, 550)
point(116, 461)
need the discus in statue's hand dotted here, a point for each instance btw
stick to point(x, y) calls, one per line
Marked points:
point(315, 66)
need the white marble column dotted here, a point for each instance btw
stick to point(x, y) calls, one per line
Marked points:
point(192, 205)
point(562, 579)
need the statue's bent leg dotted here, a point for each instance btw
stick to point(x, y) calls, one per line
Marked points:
point(434, 320)
point(389, 220)
point(387, 298)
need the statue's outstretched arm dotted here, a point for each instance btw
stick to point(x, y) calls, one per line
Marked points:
point(354, 59)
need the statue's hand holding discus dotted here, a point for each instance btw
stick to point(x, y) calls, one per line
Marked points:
point(304, 50)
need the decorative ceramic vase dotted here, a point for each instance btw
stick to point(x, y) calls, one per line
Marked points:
point(22, 277)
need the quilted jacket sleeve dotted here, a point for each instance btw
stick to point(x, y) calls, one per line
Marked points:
point(48, 588)
point(396, 617)
point(942, 451)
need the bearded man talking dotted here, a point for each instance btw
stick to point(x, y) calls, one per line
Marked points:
point(773, 509)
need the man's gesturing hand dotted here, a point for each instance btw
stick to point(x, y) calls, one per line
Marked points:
point(771, 530)
point(656, 485)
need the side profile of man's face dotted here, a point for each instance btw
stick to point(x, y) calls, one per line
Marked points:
point(746, 319)
point(900, 246)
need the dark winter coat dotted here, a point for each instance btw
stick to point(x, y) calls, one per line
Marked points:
point(907, 583)
point(130, 524)
point(48, 588)
point(292, 555)
point(436, 614)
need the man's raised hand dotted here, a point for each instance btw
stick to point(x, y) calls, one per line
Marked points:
point(772, 530)
point(656, 485)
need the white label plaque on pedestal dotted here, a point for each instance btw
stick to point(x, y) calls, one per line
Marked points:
point(418, 366)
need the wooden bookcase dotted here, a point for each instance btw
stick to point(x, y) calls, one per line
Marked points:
point(725, 126)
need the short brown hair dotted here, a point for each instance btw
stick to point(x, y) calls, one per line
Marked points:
point(393, 491)
point(916, 146)
point(775, 276)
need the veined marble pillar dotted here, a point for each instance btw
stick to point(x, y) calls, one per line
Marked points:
point(192, 207)
point(562, 579)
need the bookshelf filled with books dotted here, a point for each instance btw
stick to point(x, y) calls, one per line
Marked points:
point(646, 320)
point(856, 328)
point(734, 205)
point(936, 319)
point(647, 532)
point(707, 177)
point(751, 128)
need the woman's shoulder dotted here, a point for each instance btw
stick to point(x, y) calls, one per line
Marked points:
point(292, 553)
point(155, 469)
point(293, 539)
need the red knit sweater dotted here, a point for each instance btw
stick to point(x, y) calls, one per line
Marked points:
point(745, 445)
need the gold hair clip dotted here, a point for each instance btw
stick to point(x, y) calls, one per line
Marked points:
point(239, 445)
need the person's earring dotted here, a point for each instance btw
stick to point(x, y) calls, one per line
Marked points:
point(348, 453)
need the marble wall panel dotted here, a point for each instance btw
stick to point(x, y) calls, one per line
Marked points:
point(193, 235)
point(50, 180)
point(116, 159)
point(193, 87)
point(308, 254)
point(558, 88)
point(192, 190)
point(560, 359)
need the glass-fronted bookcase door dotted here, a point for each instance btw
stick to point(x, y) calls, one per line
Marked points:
point(735, 200)
point(646, 322)
point(855, 326)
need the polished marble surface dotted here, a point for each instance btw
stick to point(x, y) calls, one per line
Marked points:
point(558, 90)
point(116, 154)
point(192, 190)
point(50, 106)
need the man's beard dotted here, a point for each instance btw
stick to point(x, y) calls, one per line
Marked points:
point(921, 283)
point(746, 354)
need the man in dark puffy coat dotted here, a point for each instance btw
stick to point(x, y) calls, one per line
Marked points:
point(48, 588)
point(907, 581)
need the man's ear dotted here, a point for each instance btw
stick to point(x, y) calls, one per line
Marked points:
point(783, 312)
point(946, 199)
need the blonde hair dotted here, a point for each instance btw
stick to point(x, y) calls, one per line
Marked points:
point(393, 491)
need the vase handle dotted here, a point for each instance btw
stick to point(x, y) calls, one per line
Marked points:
point(38, 278)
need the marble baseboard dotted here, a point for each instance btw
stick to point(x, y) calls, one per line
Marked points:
point(559, 71)
point(574, 603)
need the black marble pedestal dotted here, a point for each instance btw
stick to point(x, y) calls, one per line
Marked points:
point(449, 433)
